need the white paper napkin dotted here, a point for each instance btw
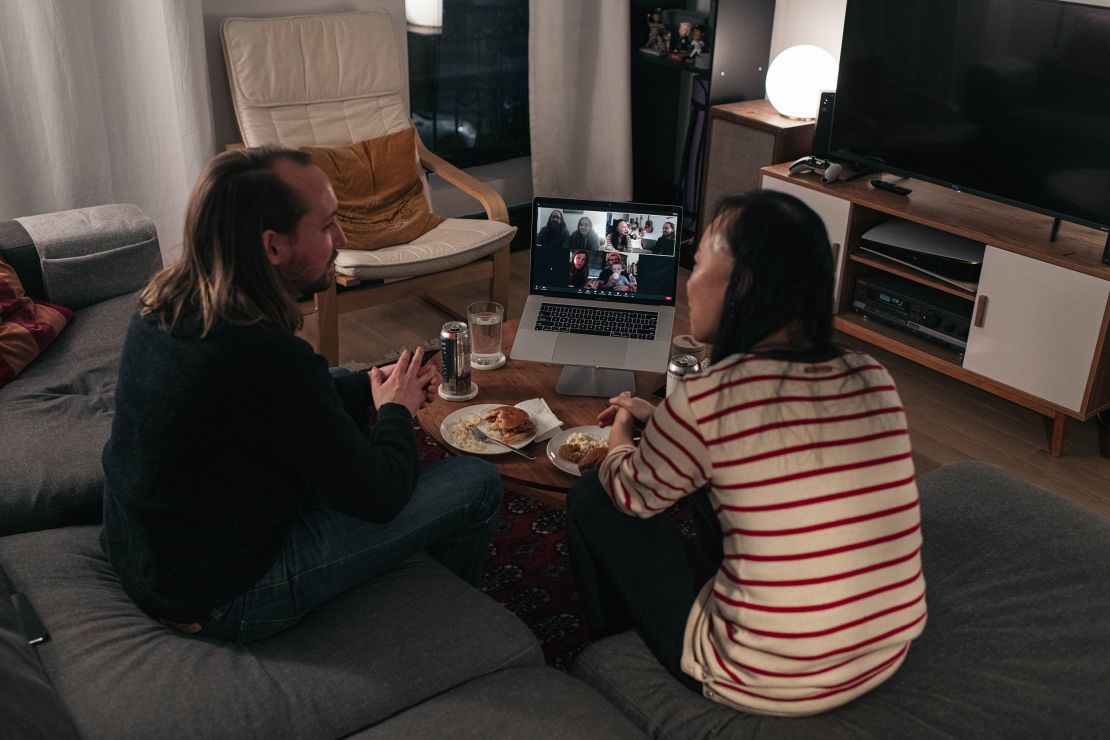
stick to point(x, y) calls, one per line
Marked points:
point(547, 424)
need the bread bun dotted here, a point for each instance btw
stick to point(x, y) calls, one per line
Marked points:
point(512, 423)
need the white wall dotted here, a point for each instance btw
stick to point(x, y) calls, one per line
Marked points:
point(817, 22)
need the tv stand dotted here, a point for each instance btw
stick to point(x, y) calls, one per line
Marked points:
point(1040, 334)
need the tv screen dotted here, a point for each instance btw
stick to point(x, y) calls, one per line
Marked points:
point(1004, 98)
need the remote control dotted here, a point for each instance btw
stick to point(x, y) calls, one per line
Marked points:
point(890, 187)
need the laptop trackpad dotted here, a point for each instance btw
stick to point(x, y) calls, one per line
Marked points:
point(591, 351)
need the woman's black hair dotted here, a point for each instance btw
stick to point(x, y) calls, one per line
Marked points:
point(615, 237)
point(782, 275)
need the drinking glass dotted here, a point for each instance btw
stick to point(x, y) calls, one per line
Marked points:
point(485, 319)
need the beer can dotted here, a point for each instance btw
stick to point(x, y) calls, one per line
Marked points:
point(679, 367)
point(454, 344)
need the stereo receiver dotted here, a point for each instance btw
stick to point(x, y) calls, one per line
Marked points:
point(927, 312)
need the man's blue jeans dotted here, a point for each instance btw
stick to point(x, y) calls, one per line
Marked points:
point(451, 515)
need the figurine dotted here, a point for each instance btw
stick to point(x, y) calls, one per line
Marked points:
point(655, 41)
point(682, 46)
point(697, 41)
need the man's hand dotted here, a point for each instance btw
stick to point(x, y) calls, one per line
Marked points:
point(406, 382)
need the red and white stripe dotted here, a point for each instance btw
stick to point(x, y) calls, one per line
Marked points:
point(810, 474)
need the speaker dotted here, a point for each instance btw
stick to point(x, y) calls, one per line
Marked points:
point(823, 132)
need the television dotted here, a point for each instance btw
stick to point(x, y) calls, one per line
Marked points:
point(1007, 99)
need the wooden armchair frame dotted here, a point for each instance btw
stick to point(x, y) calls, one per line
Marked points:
point(351, 294)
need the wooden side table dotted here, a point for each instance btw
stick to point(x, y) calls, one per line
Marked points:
point(743, 137)
point(518, 381)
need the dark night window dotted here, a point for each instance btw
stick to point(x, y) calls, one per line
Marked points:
point(468, 81)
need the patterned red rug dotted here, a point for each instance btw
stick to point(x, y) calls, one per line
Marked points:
point(528, 569)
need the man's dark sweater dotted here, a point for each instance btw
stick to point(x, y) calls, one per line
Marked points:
point(216, 445)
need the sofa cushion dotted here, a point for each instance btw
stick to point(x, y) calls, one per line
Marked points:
point(88, 255)
point(1017, 643)
point(525, 703)
point(452, 243)
point(410, 635)
point(27, 326)
point(381, 196)
point(28, 705)
point(56, 417)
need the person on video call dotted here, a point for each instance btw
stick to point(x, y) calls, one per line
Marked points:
point(618, 240)
point(579, 269)
point(804, 587)
point(617, 280)
point(664, 245)
point(611, 258)
point(551, 254)
point(244, 484)
point(584, 237)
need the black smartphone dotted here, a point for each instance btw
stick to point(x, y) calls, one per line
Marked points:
point(660, 392)
point(29, 619)
point(428, 355)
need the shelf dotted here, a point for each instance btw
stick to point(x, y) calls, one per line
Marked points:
point(897, 268)
point(701, 63)
point(900, 342)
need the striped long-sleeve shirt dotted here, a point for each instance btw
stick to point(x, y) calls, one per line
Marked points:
point(809, 472)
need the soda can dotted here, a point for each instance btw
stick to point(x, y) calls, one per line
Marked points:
point(454, 344)
point(678, 368)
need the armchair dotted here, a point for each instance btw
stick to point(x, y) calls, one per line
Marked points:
point(334, 80)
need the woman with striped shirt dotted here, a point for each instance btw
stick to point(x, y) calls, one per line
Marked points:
point(804, 588)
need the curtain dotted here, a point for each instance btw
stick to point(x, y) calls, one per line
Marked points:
point(103, 101)
point(579, 68)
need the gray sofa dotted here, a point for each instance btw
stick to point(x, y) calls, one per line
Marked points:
point(1017, 644)
point(414, 654)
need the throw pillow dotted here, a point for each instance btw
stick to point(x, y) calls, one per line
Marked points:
point(27, 327)
point(381, 196)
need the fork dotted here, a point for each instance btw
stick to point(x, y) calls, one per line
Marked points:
point(481, 436)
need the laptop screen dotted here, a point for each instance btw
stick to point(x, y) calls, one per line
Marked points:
point(604, 250)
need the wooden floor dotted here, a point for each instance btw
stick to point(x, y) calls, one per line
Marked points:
point(949, 421)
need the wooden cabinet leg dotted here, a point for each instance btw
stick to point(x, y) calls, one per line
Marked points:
point(1055, 427)
point(327, 316)
point(1103, 436)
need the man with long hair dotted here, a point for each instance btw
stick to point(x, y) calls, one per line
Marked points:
point(245, 485)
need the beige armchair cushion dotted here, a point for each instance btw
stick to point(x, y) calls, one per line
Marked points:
point(350, 92)
point(453, 243)
point(333, 80)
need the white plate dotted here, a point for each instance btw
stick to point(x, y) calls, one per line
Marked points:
point(486, 448)
point(561, 438)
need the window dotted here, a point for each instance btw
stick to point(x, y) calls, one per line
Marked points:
point(468, 81)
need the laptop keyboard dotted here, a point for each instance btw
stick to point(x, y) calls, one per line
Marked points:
point(603, 322)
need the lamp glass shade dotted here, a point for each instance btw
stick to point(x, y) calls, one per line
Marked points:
point(796, 79)
point(424, 12)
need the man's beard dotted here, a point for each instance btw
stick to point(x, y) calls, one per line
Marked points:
point(300, 283)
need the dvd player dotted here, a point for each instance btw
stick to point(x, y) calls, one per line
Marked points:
point(927, 312)
point(929, 249)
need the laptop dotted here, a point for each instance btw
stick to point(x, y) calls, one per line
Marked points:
point(602, 283)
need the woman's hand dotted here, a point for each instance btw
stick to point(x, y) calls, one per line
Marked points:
point(636, 409)
point(406, 382)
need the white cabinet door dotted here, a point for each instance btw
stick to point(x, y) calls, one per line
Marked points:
point(1040, 326)
point(833, 211)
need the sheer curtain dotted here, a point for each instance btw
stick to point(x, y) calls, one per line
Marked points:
point(579, 65)
point(103, 101)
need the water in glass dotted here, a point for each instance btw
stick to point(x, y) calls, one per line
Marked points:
point(485, 319)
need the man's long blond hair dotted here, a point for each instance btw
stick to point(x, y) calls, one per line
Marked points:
point(223, 271)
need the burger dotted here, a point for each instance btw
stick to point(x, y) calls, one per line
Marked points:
point(511, 423)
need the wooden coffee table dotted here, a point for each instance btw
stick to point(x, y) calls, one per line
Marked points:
point(518, 381)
